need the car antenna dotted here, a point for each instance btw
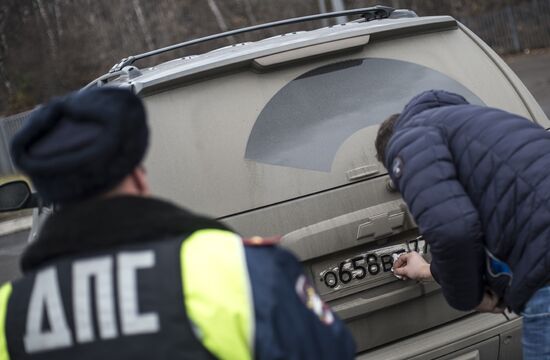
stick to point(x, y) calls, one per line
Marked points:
point(370, 13)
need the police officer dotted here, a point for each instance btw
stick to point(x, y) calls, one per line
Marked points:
point(118, 274)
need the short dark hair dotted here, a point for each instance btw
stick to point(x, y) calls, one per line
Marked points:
point(384, 135)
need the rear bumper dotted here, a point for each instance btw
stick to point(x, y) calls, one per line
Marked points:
point(487, 336)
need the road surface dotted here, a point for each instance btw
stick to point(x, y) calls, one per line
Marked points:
point(534, 70)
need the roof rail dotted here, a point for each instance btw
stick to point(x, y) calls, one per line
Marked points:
point(370, 13)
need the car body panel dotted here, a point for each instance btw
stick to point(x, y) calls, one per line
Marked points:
point(214, 148)
point(493, 335)
point(189, 68)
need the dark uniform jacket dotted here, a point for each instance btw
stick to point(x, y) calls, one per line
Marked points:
point(139, 278)
point(477, 181)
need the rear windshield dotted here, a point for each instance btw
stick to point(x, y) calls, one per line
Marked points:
point(248, 140)
point(306, 122)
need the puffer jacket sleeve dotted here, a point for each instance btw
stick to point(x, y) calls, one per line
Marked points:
point(422, 167)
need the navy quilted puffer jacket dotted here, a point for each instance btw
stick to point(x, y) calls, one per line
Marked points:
point(477, 181)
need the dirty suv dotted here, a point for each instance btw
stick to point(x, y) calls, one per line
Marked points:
point(277, 137)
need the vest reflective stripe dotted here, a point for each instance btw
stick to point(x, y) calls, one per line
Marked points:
point(217, 292)
point(5, 292)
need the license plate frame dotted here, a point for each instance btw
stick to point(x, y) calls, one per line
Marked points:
point(362, 269)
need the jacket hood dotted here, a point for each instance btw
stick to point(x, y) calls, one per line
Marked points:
point(429, 100)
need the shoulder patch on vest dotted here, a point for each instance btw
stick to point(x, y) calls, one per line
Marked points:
point(262, 241)
point(313, 301)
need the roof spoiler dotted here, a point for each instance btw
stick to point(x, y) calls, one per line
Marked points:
point(370, 13)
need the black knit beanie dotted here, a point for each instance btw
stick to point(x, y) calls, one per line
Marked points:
point(82, 144)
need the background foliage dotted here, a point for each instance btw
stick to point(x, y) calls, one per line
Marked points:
point(50, 47)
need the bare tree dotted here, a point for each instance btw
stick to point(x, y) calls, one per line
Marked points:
point(323, 9)
point(49, 29)
point(219, 18)
point(57, 13)
point(218, 15)
point(249, 12)
point(40, 40)
point(143, 25)
point(4, 14)
point(3, 74)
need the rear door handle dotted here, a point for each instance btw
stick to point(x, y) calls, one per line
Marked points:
point(349, 230)
point(362, 306)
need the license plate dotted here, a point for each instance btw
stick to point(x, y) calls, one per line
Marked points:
point(364, 267)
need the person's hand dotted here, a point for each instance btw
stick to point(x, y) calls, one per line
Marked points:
point(412, 266)
point(490, 303)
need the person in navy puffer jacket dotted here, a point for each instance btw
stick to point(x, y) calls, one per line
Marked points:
point(477, 181)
